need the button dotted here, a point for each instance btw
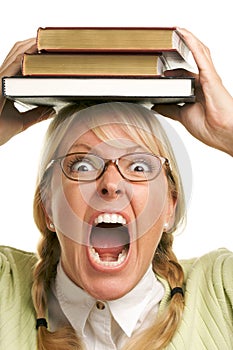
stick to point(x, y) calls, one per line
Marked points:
point(100, 305)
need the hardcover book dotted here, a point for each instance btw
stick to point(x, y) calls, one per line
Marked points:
point(102, 64)
point(59, 90)
point(148, 39)
point(92, 64)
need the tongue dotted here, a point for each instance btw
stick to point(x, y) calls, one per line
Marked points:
point(107, 254)
point(109, 241)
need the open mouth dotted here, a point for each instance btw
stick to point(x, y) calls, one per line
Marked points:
point(109, 240)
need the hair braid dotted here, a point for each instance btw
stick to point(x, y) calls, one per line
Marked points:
point(44, 272)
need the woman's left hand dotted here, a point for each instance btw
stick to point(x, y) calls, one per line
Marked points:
point(12, 121)
point(210, 118)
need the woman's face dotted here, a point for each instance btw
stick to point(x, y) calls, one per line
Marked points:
point(109, 228)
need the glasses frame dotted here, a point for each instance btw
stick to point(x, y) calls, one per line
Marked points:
point(163, 161)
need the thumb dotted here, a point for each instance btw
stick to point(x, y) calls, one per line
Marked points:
point(171, 111)
point(36, 115)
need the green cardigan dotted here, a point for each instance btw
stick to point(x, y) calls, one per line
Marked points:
point(207, 320)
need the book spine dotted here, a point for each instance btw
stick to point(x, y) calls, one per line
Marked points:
point(3, 87)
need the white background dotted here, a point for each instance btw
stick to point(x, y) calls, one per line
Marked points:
point(210, 213)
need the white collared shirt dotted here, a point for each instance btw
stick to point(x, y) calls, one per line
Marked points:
point(104, 325)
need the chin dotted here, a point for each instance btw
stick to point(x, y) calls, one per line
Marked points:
point(109, 289)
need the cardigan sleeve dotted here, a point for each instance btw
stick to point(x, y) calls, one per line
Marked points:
point(207, 321)
point(214, 272)
point(223, 283)
point(17, 317)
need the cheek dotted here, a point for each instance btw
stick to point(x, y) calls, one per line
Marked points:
point(68, 211)
point(74, 198)
point(146, 246)
point(149, 203)
point(151, 241)
point(72, 258)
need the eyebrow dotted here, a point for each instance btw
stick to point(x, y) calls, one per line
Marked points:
point(79, 145)
point(131, 149)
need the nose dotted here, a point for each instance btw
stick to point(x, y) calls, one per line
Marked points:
point(111, 184)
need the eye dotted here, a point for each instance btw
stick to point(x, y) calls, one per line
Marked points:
point(78, 164)
point(140, 166)
point(82, 166)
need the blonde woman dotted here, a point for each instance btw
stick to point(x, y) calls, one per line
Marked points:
point(108, 200)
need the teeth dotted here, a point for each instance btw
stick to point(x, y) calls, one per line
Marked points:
point(110, 218)
point(121, 257)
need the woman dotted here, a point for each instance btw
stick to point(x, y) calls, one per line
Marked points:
point(108, 199)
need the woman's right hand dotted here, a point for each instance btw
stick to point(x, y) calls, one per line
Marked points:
point(12, 121)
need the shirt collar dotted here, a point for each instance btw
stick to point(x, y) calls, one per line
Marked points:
point(127, 310)
point(77, 304)
point(74, 301)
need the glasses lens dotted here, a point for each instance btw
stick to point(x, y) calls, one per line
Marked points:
point(140, 166)
point(82, 166)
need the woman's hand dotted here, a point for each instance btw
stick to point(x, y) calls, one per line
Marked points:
point(11, 120)
point(210, 119)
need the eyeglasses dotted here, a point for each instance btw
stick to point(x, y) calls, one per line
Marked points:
point(88, 167)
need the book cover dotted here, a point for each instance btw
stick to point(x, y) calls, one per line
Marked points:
point(59, 90)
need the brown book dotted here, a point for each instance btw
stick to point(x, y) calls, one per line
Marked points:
point(102, 64)
point(147, 39)
point(92, 64)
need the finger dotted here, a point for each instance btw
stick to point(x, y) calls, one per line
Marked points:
point(21, 46)
point(201, 52)
point(12, 64)
point(18, 49)
point(10, 122)
point(12, 68)
point(13, 122)
point(186, 114)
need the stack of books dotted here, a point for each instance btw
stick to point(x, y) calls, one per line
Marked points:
point(103, 64)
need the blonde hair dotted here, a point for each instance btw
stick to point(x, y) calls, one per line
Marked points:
point(141, 125)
